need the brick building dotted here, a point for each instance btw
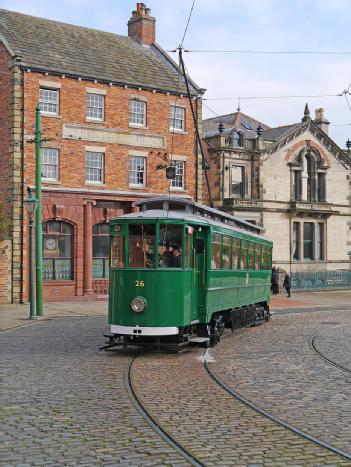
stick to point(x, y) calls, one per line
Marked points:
point(114, 114)
point(293, 180)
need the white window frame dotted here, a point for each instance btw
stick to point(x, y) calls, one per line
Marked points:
point(133, 111)
point(178, 183)
point(133, 161)
point(45, 98)
point(94, 165)
point(174, 119)
point(99, 100)
point(50, 153)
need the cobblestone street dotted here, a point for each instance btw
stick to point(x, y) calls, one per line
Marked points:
point(65, 402)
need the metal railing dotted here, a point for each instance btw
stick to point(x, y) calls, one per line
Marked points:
point(321, 280)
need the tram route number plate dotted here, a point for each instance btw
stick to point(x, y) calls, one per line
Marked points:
point(139, 283)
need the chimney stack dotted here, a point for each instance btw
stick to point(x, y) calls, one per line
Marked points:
point(321, 121)
point(142, 26)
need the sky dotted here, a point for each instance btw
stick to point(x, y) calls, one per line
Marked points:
point(269, 25)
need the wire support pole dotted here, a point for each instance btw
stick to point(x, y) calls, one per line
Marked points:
point(38, 219)
point(204, 161)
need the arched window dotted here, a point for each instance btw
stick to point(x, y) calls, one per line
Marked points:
point(309, 177)
point(101, 244)
point(57, 251)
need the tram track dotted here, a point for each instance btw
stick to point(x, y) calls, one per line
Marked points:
point(171, 441)
point(271, 417)
point(182, 447)
point(314, 348)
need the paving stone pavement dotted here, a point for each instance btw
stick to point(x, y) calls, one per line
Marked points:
point(334, 343)
point(274, 367)
point(64, 403)
point(216, 428)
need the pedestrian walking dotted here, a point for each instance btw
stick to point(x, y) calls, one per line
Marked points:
point(275, 281)
point(287, 283)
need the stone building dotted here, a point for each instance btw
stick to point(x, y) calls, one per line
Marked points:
point(114, 114)
point(293, 180)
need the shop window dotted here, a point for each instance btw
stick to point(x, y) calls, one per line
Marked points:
point(101, 243)
point(57, 251)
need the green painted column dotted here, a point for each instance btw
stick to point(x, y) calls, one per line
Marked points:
point(38, 219)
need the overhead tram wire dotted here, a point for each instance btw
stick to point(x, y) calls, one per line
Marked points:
point(204, 160)
point(270, 97)
point(271, 52)
point(187, 24)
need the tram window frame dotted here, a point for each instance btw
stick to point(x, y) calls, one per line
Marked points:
point(216, 263)
point(251, 256)
point(236, 254)
point(120, 260)
point(243, 258)
point(257, 256)
point(226, 255)
point(167, 243)
point(263, 261)
point(269, 258)
point(146, 257)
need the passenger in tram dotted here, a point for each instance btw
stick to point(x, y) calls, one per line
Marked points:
point(177, 257)
point(166, 258)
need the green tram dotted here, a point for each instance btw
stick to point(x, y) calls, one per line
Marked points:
point(180, 271)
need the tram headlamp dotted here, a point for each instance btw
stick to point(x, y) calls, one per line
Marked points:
point(138, 304)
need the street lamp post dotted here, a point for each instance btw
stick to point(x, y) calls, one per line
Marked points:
point(31, 205)
point(38, 230)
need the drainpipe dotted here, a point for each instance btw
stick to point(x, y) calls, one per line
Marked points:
point(22, 190)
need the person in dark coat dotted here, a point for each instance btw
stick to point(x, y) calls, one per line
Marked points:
point(275, 281)
point(287, 283)
point(177, 257)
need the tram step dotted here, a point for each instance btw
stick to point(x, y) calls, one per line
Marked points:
point(198, 340)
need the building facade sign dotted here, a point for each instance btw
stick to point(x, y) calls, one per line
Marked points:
point(112, 136)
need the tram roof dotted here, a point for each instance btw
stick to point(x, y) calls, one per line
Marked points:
point(163, 208)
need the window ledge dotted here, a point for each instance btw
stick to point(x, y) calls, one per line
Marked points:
point(59, 282)
point(177, 189)
point(95, 120)
point(178, 132)
point(137, 187)
point(44, 114)
point(97, 184)
point(50, 182)
point(136, 125)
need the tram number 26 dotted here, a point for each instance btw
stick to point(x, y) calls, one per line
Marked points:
point(139, 283)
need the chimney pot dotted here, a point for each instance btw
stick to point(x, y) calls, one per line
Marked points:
point(141, 26)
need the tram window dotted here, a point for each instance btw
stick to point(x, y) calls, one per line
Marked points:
point(169, 247)
point(226, 252)
point(141, 246)
point(257, 257)
point(235, 256)
point(264, 258)
point(251, 256)
point(216, 247)
point(243, 255)
point(269, 254)
point(199, 246)
point(117, 249)
point(189, 235)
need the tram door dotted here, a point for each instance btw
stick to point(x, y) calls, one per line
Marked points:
point(200, 271)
